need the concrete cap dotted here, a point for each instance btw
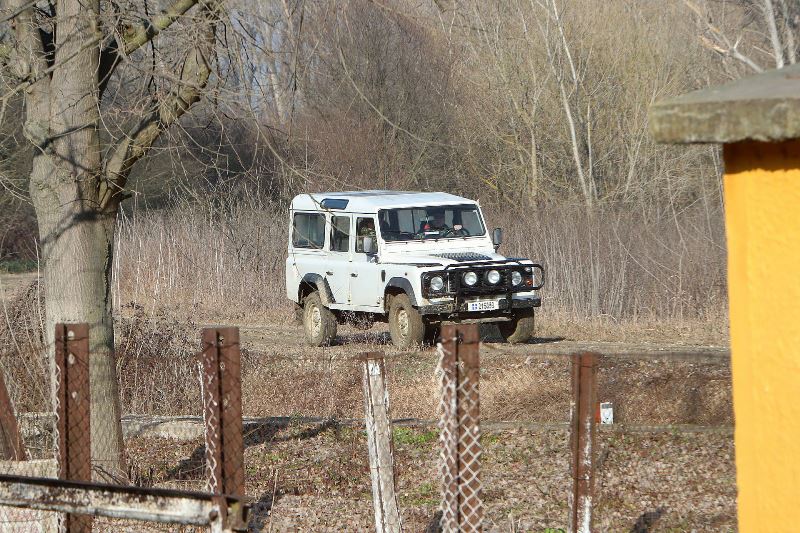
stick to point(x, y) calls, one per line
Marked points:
point(764, 107)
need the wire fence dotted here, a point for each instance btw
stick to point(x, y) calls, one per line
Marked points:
point(496, 456)
point(459, 429)
point(64, 472)
point(589, 480)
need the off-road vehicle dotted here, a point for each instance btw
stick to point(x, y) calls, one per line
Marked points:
point(414, 260)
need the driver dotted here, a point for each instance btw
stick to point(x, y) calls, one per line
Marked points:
point(437, 223)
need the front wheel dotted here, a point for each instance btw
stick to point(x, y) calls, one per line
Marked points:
point(319, 322)
point(519, 329)
point(405, 323)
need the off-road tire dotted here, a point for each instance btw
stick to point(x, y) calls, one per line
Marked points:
point(519, 329)
point(319, 322)
point(405, 323)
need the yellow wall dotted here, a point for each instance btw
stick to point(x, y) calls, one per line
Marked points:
point(762, 211)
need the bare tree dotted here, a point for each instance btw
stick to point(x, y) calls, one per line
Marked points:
point(65, 55)
point(767, 30)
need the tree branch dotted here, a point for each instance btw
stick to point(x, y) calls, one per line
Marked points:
point(29, 58)
point(134, 37)
point(772, 26)
point(720, 43)
point(162, 114)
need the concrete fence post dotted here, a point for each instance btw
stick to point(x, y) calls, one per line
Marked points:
point(582, 440)
point(379, 442)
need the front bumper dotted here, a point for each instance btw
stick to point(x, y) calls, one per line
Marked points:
point(449, 308)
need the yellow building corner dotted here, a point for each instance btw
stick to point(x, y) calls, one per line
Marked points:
point(758, 120)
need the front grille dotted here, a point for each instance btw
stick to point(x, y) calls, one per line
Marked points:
point(462, 257)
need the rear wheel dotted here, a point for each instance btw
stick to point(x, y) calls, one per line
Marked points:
point(519, 329)
point(319, 322)
point(405, 323)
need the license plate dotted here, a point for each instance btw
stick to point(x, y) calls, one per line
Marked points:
point(486, 305)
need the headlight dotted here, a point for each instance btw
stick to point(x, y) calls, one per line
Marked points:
point(493, 277)
point(470, 278)
point(437, 283)
point(516, 277)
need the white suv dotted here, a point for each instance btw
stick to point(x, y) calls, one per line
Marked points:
point(411, 259)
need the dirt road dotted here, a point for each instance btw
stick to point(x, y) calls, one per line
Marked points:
point(13, 284)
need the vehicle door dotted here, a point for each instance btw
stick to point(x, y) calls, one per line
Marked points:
point(337, 263)
point(365, 288)
point(307, 251)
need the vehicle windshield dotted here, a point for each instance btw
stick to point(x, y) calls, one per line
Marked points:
point(430, 222)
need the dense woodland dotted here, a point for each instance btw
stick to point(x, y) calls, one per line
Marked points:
point(536, 107)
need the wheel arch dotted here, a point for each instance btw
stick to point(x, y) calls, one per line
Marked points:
point(315, 282)
point(398, 285)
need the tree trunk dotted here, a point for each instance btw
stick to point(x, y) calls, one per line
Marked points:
point(75, 231)
point(75, 196)
point(77, 256)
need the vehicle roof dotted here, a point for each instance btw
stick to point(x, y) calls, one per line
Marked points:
point(372, 201)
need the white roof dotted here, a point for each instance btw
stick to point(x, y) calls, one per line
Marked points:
point(372, 201)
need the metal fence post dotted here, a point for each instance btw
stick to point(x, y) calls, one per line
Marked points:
point(222, 413)
point(462, 503)
point(11, 445)
point(379, 442)
point(72, 410)
point(582, 440)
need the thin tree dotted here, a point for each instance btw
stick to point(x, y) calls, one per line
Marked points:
point(64, 55)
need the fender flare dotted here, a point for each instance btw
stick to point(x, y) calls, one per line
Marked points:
point(315, 280)
point(405, 285)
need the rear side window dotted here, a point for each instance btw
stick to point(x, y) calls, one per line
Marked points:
point(340, 234)
point(308, 230)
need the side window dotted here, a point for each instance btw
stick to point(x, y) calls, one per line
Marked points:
point(308, 230)
point(365, 226)
point(340, 234)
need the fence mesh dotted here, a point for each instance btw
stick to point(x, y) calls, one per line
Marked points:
point(75, 442)
point(459, 430)
point(222, 410)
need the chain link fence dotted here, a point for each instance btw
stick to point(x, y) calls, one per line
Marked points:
point(459, 429)
point(56, 473)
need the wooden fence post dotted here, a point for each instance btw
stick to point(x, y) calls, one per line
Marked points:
point(379, 442)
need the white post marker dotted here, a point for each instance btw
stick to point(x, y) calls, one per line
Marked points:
point(606, 413)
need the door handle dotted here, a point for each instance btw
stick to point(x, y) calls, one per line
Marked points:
point(354, 274)
point(329, 273)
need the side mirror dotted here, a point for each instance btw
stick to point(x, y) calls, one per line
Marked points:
point(497, 237)
point(370, 246)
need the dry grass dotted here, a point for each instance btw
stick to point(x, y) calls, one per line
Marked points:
point(611, 275)
point(316, 478)
point(282, 376)
point(213, 262)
